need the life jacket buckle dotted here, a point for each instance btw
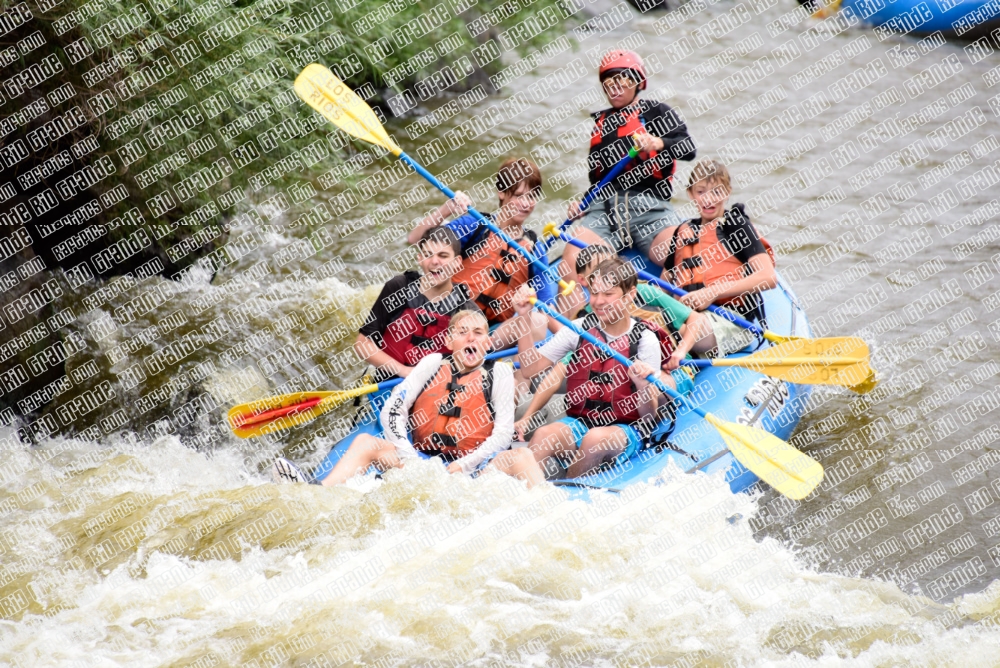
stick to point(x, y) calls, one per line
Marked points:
point(425, 318)
point(450, 411)
point(499, 275)
point(602, 377)
point(442, 441)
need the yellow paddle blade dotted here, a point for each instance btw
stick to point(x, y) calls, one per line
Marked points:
point(272, 414)
point(865, 386)
point(790, 472)
point(839, 361)
point(778, 338)
point(323, 91)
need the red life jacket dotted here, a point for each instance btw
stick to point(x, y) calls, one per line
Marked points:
point(633, 123)
point(453, 414)
point(598, 388)
point(493, 273)
point(421, 327)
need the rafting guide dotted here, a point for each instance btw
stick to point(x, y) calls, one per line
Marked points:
point(635, 207)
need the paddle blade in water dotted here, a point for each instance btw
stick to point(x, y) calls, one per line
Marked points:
point(790, 472)
point(323, 91)
point(865, 386)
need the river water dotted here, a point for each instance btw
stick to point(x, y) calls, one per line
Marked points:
point(144, 541)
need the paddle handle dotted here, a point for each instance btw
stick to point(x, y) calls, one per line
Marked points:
point(450, 194)
point(677, 292)
point(620, 166)
point(607, 350)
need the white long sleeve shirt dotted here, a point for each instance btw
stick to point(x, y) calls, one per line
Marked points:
point(566, 340)
point(395, 413)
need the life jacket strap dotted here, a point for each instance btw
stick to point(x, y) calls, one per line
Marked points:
point(499, 275)
point(596, 405)
point(439, 440)
point(450, 411)
point(489, 303)
point(602, 377)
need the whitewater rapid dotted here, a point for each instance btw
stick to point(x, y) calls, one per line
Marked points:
point(152, 553)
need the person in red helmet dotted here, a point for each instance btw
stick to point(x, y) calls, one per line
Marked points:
point(634, 208)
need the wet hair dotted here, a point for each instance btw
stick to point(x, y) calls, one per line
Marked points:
point(709, 169)
point(515, 171)
point(462, 315)
point(441, 235)
point(617, 272)
point(591, 253)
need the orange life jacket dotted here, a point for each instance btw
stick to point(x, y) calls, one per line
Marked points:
point(698, 257)
point(493, 273)
point(453, 414)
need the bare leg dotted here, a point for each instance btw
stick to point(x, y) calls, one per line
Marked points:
point(587, 236)
point(362, 453)
point(704, 336)
point(660, 248)
point(519, 463)
point(599, 446)
point(550, 440)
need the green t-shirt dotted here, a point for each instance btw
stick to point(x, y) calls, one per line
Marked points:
point(673, 311)
point(650, 296)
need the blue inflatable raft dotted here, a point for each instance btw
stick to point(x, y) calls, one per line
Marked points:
point(731, 393)
point(962, 19)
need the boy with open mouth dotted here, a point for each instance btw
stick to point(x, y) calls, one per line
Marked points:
point(455, 407)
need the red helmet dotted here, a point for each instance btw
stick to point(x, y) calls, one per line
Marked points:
point(618, 59)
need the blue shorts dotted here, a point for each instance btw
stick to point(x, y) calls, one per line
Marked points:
point(579, 429)
point(683, 379)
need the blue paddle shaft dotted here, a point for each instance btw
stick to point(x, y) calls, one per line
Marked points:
point(450, 194)
point(592, 195)
point(607, 350)
point(393, 382)
point(677, 292)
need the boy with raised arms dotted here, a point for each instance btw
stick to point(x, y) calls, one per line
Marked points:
point(491, 269)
